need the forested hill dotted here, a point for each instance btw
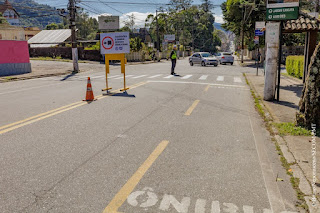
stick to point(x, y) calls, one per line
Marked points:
point(33, 14)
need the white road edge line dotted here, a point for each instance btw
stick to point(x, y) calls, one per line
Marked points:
point(273, 192)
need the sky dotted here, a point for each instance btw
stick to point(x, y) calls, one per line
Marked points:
point(96, 8)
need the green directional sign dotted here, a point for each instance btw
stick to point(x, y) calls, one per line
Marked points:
point(284, 13)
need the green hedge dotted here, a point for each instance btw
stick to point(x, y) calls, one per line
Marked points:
point(294, 65)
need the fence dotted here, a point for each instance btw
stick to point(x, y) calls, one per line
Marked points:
point(93, 55)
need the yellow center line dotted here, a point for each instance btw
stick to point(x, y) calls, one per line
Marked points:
point(207, 88)
point(126, 190)
point(30, 120)
point(193, 106)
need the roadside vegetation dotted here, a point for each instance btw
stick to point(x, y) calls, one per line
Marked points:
point(295, 66)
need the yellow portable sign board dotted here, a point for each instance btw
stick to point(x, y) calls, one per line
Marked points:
point(119, 57)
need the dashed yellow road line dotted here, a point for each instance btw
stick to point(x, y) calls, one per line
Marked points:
point(126, 190)
point(207, 88)
point(41, 116)
point(193, 106)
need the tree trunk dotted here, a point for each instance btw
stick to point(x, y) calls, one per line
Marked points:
point(310, 100)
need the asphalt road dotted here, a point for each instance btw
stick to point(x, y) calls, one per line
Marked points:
point(188, 143)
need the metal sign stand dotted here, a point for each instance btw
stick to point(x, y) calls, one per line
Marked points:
point(121, 57)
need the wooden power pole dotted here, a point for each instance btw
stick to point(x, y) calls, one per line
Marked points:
point(72, 12)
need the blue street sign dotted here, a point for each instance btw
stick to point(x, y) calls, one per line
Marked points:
point(258, 33)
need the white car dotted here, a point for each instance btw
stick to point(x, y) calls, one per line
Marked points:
point(203, 58)
point(225, 58)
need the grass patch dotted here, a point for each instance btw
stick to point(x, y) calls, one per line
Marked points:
point(291, 129)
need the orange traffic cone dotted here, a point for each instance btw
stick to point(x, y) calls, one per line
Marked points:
point(89, 94)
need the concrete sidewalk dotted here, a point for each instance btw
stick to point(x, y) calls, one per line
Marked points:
point(296, 149)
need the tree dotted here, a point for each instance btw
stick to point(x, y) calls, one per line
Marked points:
point(3, 20)
point(54, 26)
point(309, 105)
point(130, 22)
point(87, 26)
point(177, 5)
point(241, 15)
point(206, 5)
point(135, 44)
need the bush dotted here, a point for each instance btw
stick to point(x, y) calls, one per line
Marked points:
point(295, 65)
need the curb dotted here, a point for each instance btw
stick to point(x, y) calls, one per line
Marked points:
point(304, 184)
point(3, 80)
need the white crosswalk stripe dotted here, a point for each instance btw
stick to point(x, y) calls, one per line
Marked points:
point(186, 77)
point(237, 80)
point(220, 78)
point(114, 76)
point(140, 76)
point(121, 77)
point(154, 76)
point(204, 77)
point(169, 76)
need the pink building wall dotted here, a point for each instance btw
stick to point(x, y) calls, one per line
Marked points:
point(12, 52)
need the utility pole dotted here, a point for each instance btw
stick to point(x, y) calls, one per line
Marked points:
point(158, 37)
point(72, 10)
point(242, 36)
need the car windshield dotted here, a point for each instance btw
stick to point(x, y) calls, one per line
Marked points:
point(227, 54)
point(206, 55)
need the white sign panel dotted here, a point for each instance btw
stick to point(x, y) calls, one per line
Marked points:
point(260, 25)
point(113, 43)
point(109, 22)
point(282, 3)
point(169, 37)
point(272, 33)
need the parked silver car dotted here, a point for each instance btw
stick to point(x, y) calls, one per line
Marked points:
point(225, 58)
point(203, 58)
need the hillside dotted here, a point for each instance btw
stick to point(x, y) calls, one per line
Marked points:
point(33, 14)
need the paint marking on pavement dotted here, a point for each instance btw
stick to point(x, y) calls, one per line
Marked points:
point(237, 80)
point(273, 192)
point(121, 77)
point(169, 76)
point(186, 77)
point(204, 77)
point(220, 78)
point(126, 190)
point(192, 107)
point(154, 76)
point(139, 76)
point(114, 76)
point(207, 88)
point(41, 116)
point(190, 82)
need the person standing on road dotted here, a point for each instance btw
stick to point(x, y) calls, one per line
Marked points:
point(173, 57)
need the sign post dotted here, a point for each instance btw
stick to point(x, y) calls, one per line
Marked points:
point(114, 46)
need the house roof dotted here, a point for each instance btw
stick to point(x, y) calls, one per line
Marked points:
point(48, 38)
point(304, 23)
point(7, 5)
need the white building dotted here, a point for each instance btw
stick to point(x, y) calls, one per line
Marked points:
point(10, 13)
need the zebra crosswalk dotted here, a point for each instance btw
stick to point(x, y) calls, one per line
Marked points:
point(202, 78)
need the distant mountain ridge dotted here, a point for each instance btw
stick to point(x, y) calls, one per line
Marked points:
point(218, 26)
point(33, 14)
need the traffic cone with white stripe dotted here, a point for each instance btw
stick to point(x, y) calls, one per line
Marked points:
point(89, 94)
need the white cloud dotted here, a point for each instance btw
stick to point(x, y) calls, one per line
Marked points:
point(219, 19)
point(139, 18)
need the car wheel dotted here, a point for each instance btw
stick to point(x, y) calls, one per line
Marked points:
point(191, 63)
point(215, 65)
point(203, 64)
point(231, 63)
